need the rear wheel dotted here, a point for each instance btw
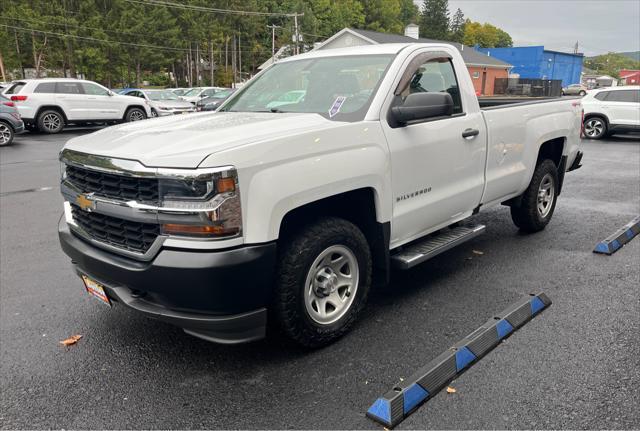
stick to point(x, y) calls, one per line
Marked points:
point(50, 121)
point(323, 281)
point(595, 128)
point(538, 202)
point(582, 93)
point(6, 134)
point(135, 114)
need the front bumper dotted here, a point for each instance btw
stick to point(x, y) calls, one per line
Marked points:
point(166, 113)
point(219, 296)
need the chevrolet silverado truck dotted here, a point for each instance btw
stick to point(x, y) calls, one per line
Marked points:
point(222, 222)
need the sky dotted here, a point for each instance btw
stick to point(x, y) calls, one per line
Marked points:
point(599, 26)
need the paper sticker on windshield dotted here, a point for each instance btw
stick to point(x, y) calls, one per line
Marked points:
point(335, 108)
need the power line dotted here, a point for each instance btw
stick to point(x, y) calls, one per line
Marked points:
point(141, 45)
point(210, 9)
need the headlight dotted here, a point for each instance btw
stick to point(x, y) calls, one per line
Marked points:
point(201, 205)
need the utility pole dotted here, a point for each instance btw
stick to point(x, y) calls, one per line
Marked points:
point(273, 41)
point(211, 61)
point(295, 24)
point(197, 64)
point(239, 57)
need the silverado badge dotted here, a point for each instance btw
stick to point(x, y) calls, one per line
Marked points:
point(85, 202)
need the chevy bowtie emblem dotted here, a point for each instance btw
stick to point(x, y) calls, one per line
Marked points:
point(85, 203)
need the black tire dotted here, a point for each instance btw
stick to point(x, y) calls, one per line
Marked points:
point(50, 121)
point(154, 114)
point(296, 258)
point(582, 93)
point(134, 114)
point(527, 215)
point(595, 128)
point(6, 134)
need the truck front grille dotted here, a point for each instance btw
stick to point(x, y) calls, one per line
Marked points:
point(114, 186)
point(125, 234)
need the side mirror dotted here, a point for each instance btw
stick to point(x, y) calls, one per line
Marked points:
point(422, 106)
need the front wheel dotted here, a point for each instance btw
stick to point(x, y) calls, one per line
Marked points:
point(6, 134)
point(324, 275)
point(135, 114)
point(595, 128)
point(582, 93)
point(539, 200)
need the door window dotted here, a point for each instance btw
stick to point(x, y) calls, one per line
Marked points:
point(46, 87)
point(68, 88)
point(94, 90)
point(209, 92)
point(629, 96)
point(436, 76)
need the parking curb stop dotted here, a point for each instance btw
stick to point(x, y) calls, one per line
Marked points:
point(614, 242)
point(404, 398)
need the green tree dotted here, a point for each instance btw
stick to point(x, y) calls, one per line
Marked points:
point(409, 12)
point(434, 23)
point(485, 35)
point(610, 64)
point(383, 16)
point(456, 28)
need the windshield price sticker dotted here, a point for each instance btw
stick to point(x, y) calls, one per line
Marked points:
point(337, 104)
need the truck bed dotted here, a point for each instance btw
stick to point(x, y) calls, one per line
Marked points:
point(487, 103)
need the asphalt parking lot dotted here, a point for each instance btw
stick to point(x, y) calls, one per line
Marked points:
point(577, 365)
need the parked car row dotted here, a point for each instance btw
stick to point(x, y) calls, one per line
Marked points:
point(48, 105)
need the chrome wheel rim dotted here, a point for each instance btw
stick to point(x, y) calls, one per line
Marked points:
point(5, 134)
point(546, 193)
point(331, 285)
point(593, 128)
point(51, 122)
point(136, 116)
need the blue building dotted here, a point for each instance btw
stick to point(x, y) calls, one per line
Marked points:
point(535, 62)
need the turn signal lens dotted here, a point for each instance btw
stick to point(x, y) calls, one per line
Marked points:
point(225, 185)
point(198, 230)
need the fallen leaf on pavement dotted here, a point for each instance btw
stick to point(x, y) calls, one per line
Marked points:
point(451, 390)
point(71, 340)
point(478, 252)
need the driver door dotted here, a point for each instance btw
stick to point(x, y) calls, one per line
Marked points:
point(437, 174)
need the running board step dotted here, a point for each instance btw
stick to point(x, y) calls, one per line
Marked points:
point(432, 246)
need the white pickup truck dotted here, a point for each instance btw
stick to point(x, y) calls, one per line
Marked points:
point(216, 220)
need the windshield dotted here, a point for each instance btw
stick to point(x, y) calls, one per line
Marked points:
point(193, 92)
point(162, 95)
point(339, 88)
point(221, 94)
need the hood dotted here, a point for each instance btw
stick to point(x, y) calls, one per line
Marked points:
point(185, 141)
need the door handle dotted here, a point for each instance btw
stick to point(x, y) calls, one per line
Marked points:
point(470, 133)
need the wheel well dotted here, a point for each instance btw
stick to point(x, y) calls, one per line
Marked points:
point(134, 106)
point(594, 115)
point(551, 150)
point(8, 124)
point(356, 206)
point(50, 108)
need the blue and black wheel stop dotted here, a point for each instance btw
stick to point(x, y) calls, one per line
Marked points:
point(404, 398)
point(622, 236)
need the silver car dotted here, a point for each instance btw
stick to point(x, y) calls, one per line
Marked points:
point(162, 102)
point(574, 90)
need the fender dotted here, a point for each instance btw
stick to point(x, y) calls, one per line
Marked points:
point(286, 173)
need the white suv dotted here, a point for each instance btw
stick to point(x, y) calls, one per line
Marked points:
point(611, 110)
point(50, 104)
